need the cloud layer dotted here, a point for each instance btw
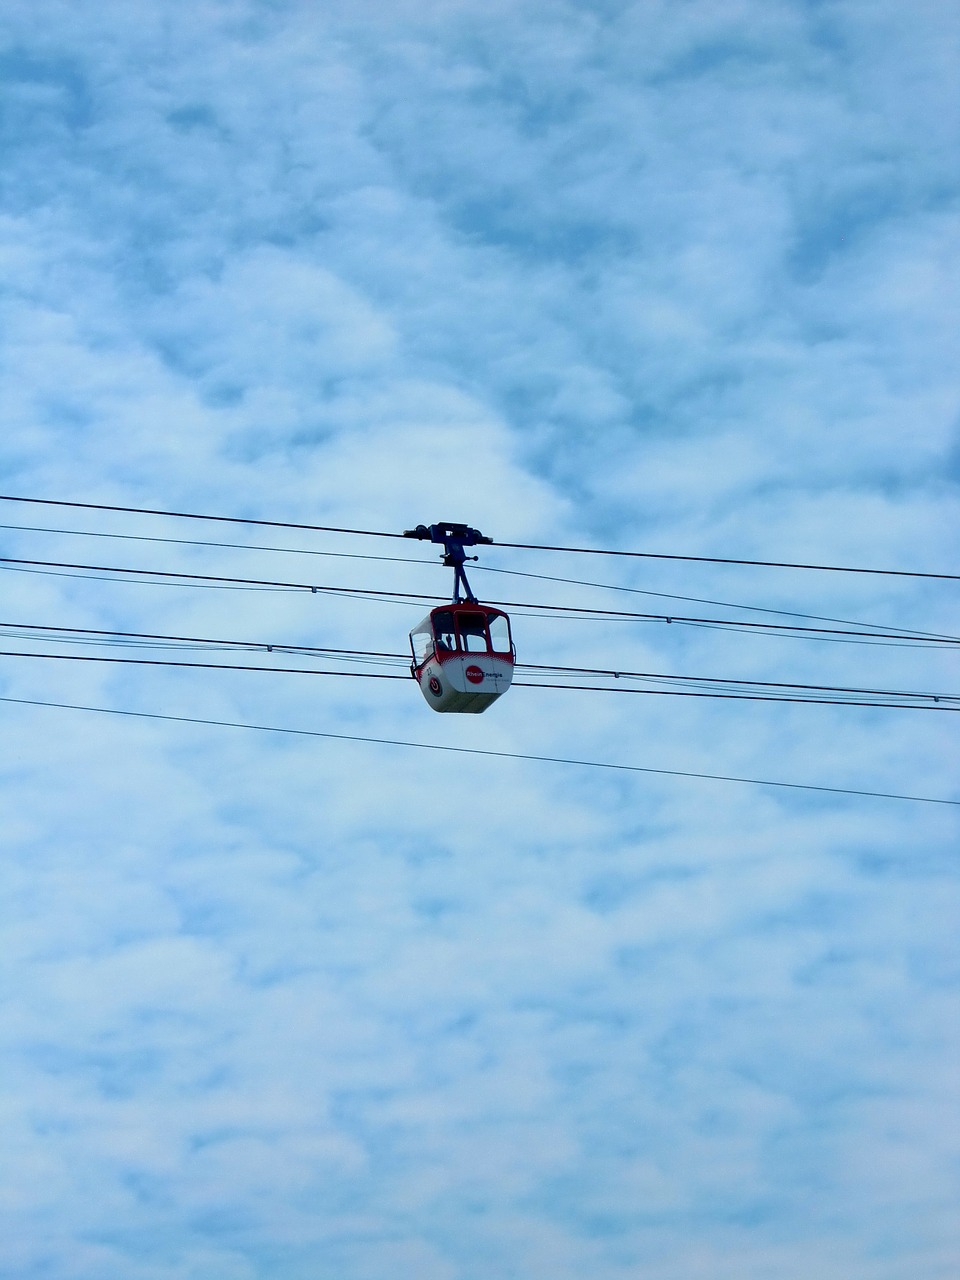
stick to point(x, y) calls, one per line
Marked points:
point(680, 278)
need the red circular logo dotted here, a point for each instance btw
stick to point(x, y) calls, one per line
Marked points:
point(474, 675)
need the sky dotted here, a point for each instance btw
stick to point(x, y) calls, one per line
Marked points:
point(671, 276)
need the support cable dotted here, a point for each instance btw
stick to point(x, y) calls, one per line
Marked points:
point(519, 546)
point(753, 564)
point(191, 579)
point(140, 639)
point(933, 703)
point(480, 568)
point(192, 515)
point(479, 751)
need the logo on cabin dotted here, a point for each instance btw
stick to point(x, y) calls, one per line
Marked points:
point(435, 687)
point(474, 675)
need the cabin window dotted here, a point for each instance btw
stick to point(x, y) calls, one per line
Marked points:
point(473, 632)
point(422, 642)
point(500, 634)
point(444, 630)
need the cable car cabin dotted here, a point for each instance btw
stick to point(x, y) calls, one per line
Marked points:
point(463, 656)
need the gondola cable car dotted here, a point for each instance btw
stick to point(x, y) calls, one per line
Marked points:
point(463, 654)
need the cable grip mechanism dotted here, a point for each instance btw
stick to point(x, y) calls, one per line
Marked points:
point(453, 538)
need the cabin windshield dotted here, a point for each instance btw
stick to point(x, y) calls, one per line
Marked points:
point(500, 634)
point(473, 633)
point(461, 631)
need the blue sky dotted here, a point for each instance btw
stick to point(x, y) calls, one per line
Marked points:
point(678, 277)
